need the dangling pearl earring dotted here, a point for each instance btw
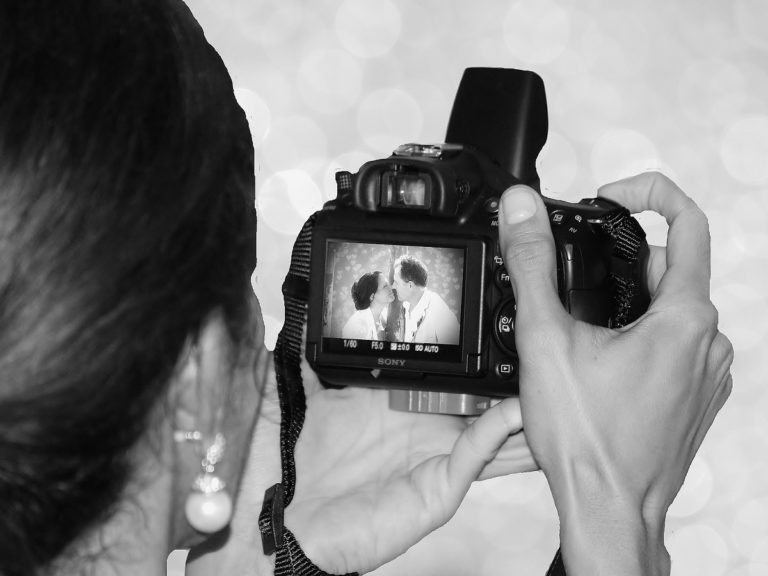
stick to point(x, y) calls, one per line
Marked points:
point(209, 506)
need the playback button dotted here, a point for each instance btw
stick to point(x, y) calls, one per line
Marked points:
point(505, 369)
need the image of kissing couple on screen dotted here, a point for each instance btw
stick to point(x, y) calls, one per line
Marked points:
point(407, 303)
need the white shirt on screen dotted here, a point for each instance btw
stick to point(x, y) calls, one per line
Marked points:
point(361, 326)
point(431, 321)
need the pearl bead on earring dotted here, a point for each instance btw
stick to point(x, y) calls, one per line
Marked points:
point(209, 506)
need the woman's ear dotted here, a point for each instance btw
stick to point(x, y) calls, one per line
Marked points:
point(201, 388)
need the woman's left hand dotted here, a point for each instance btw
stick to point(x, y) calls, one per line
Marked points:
point(372, 482)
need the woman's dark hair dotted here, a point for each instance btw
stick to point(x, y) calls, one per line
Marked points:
point(364, 289)
point(126, 217)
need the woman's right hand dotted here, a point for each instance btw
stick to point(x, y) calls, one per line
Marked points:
point(615, 417)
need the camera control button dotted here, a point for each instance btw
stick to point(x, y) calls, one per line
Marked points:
point(558, 217)
point(492, 205)
point(502, 278)
point(505, 369)
point(498, 259)
point(505, 325)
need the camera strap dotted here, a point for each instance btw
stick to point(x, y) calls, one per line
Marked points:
point(626, 273)
point(290, 559)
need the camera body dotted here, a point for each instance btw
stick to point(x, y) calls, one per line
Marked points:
point(426, 219)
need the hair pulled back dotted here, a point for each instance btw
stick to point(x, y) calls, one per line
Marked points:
point(364, 289)
point(126, 217)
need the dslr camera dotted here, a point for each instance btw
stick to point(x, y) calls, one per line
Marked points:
point(407, 285)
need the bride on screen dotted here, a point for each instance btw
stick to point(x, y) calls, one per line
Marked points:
point(371, 295)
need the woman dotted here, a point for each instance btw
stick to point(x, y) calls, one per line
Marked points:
point(132, 363)
point(371, 295)
point(130, 338)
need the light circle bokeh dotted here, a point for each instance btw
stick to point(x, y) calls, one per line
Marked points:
point(737, 304)
point(426, 23)
point(711, 91)
point(750, 523)
point(293, 141)
point(257, 112)
point(590, 106)
point(750, 17)
point(278, 21)
point(696, 491)
point(329, 80)
point(698, 549)
point(536, 31)
point(748, 211)
point(368, 28)
point(286, 199)
point(389, 117)
point(622, 152)
point(759, 558)
point(557, 165)
point(744, 150)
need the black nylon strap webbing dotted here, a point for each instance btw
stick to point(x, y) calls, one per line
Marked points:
point(625, 277)
point(290, 560)
point(557, 568)
point(344, 181)
point(288, 356)
point(627, 232)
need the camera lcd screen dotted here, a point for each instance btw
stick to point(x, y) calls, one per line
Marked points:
point(392, 300)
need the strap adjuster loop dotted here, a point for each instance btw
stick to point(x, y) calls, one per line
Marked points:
point(271, 519)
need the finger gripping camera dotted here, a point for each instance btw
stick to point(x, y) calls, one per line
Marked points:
point(407, 285)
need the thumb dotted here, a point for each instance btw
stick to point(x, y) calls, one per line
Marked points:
point(529, 255)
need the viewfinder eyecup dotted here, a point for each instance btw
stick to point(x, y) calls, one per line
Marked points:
point(502, 113)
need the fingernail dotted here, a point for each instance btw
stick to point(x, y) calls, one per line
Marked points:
point(518, 204)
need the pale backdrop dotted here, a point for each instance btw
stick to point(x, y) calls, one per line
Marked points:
point(678, 86)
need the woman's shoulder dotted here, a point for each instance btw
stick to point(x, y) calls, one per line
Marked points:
point(357, 325)
point(360, 316)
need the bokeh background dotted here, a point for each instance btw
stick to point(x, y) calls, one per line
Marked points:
point(680, 86)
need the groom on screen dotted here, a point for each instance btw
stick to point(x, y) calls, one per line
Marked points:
point(428, 319)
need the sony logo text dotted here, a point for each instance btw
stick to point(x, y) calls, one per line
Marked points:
point(390, 362)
